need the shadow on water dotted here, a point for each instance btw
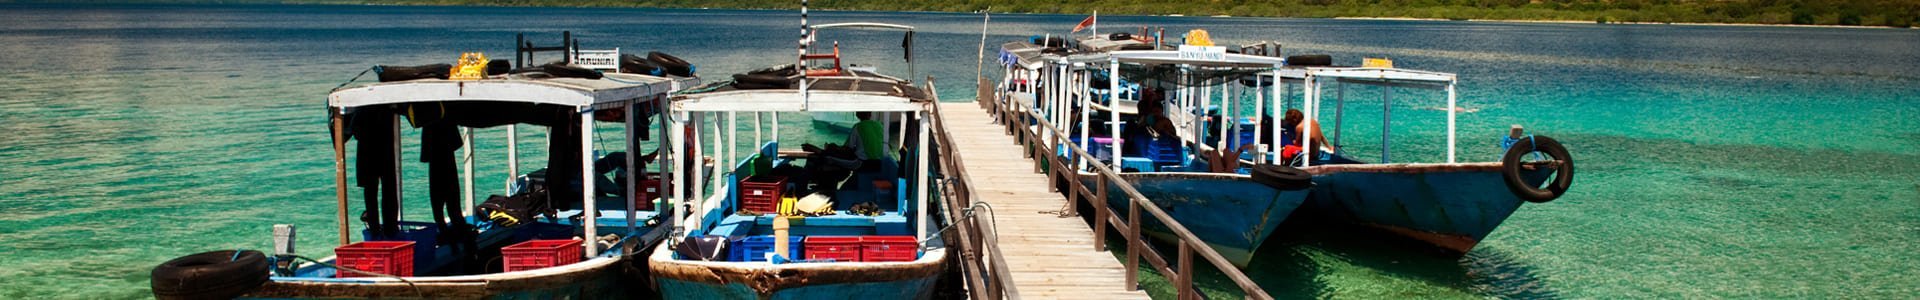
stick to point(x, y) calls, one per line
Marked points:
point(1312, 259)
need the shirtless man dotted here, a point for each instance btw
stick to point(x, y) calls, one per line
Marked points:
point(1297, 123)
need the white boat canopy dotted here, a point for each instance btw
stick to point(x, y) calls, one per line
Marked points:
point(612, 90)
point(1389, 77)
point(829, 94)
point(1195, 58)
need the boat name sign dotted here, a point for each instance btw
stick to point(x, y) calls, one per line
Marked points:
point(1215, 53)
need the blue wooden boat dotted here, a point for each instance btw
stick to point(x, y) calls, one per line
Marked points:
point(726, 248)
point(1228, 209)
point(458, 253)
point(1231, 212)
point(1451, 205)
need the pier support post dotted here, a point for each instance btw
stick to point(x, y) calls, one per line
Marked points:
point(1133, 244)
point(1100, 213)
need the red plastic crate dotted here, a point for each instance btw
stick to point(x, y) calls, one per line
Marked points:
point(649, 188)
point(838, 248)
point(762, 193)
point(537, 254)
point(880, 248)
point(384, 257)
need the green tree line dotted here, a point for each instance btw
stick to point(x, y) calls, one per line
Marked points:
point(1890, 13)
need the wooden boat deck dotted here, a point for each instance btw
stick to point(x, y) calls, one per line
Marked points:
point(1050, 257)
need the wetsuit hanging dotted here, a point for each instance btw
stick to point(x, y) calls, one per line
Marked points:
point(374, 170)
point(563, 160)
point(438, 142)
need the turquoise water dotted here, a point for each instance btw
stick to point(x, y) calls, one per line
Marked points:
point(1715, 161)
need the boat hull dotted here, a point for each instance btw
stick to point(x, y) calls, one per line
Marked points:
point(679, 279)
point(1230, 212)
point(596, 279)
point(1452, 206)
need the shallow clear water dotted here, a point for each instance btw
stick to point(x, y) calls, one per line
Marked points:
point(1749, 162)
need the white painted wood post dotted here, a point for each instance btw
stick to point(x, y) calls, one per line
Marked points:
point(587, 209)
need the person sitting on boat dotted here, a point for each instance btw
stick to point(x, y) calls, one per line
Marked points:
point(1295, 123)
point(869, 137)
point(1153, 116)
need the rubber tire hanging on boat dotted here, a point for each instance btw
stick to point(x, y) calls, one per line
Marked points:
point(674, 65)
point(1282, 177)
point(759, 81)
point(634, 64)
point(210, 275)
point(1310, 60)
point(1562, 177)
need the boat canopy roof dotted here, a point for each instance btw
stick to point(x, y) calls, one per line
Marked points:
point(1383, 74)
point(613, 90)
point(823, 94)
point(1173, 57)
point(862, 25)
point(1104, 44)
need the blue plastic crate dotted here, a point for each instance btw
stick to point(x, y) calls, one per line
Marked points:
point(1164, 151)
point(423, 235)
point(755, 248)
point(1136, 164)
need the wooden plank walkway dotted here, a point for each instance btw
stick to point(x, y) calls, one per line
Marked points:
point(1051, 257)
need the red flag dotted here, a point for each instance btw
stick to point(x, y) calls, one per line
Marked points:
point(1083, 24)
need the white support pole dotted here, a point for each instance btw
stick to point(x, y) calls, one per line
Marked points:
point(1113, 110)
point(1260, 104)
point(732, 145)
point(587, 210)
point(1226, 121)
point(1306, 134)
point(634, 176)
point(774, 117)
point(466, 171)
point(920, 179)
point(699, 165)
point(1450, 118)
point(758, 138)
point(1386, 122)
point(513, 157)
point(1086, 114)
point(676, 138)
point(1275, 111)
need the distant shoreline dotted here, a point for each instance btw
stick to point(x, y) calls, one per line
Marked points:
point(1622, 23)
point(1528, 14)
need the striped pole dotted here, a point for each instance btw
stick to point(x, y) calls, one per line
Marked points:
point(803, 52)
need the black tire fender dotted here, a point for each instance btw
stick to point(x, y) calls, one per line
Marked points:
point(221, 274)
point(1282, 177)
point(761, 81)
point(634, 64)
point(674, 65)
point(1310, 60)
point(1563, 175)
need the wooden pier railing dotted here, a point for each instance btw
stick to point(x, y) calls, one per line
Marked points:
point(978, 245)
point(1042, 148)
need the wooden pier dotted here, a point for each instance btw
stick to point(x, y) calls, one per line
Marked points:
point(1048, 256)
point(998, 155)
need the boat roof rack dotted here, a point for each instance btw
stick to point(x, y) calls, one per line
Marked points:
point(523, 50)
point(612, 90)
